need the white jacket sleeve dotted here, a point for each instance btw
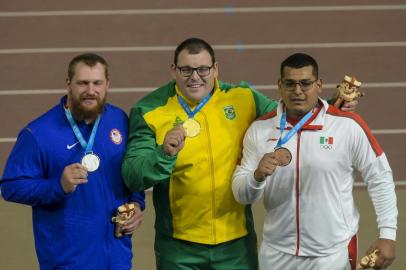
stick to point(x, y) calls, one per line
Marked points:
point(246, 189)
point(377, 174)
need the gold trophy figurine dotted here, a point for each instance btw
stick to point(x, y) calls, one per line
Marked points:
point(348, 90)
point(369, 260)
point(124, 213)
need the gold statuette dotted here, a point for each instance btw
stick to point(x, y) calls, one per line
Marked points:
point(369, 260)
point(348, 90)
point(192, 127)
point(124, 213)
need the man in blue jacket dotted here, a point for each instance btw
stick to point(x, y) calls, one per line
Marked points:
point(66, 165)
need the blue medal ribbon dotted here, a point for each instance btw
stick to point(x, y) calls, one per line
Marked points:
point(294, 129)
point(190, 113)
point(88, 146)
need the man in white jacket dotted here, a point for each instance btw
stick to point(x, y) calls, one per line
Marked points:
point(303, 157)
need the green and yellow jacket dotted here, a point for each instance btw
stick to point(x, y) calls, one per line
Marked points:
point(192, 192)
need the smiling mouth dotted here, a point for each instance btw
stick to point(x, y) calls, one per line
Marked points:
point(89, 100)
point(195, 86)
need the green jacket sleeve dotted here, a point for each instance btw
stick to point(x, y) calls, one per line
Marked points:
point(263, 103)
point(145, 164)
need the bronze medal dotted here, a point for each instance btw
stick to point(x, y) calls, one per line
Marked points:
point(192, 127)
point(283, 156)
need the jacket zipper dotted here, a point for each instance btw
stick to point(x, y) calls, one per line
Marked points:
point(213, 183)
point(298, 194)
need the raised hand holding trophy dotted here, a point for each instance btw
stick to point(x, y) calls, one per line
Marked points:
point(348, 90)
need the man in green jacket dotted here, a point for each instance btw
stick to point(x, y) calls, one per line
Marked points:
point(185, 140)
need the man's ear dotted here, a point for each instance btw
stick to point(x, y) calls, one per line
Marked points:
point(216, 69)
point(319, 85)
point(173, 71)
point(67, 84)
point(279, 87)
point(68, 90)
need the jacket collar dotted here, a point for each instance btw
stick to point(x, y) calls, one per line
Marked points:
point(316, 122)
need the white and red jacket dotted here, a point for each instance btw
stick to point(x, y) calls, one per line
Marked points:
point(309, 205)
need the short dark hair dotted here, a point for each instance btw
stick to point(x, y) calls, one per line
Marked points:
point(299, 60)
point(89, 59)
point(194, 46)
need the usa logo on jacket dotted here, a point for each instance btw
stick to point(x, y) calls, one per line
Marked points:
point(115, 136)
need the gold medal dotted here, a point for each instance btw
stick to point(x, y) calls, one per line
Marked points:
point(192, 127)
point(283, 155)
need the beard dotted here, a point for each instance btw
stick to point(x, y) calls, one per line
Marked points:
point(81, 112)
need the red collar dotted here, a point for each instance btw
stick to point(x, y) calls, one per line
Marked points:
point(307, 125)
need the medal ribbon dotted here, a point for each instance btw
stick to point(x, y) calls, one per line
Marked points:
point(294, 129)
point(190, 113)
point(85, 145)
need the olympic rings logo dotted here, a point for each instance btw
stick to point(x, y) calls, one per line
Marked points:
point(326, 146)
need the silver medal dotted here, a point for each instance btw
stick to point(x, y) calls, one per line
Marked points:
point(91, 162)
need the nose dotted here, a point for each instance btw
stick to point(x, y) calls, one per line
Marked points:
point(297, 88)
point(91, 88)
point(194, 75)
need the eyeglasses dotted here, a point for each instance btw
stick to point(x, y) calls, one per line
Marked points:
point(290, 85)
point(188, 71)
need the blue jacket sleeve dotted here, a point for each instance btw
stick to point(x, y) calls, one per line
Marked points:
point(138, 197)
point(24, 180)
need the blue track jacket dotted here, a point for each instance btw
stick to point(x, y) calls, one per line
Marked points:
point(72, 231)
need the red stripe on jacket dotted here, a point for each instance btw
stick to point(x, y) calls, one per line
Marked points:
point(372, 140)
point(271, 114)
